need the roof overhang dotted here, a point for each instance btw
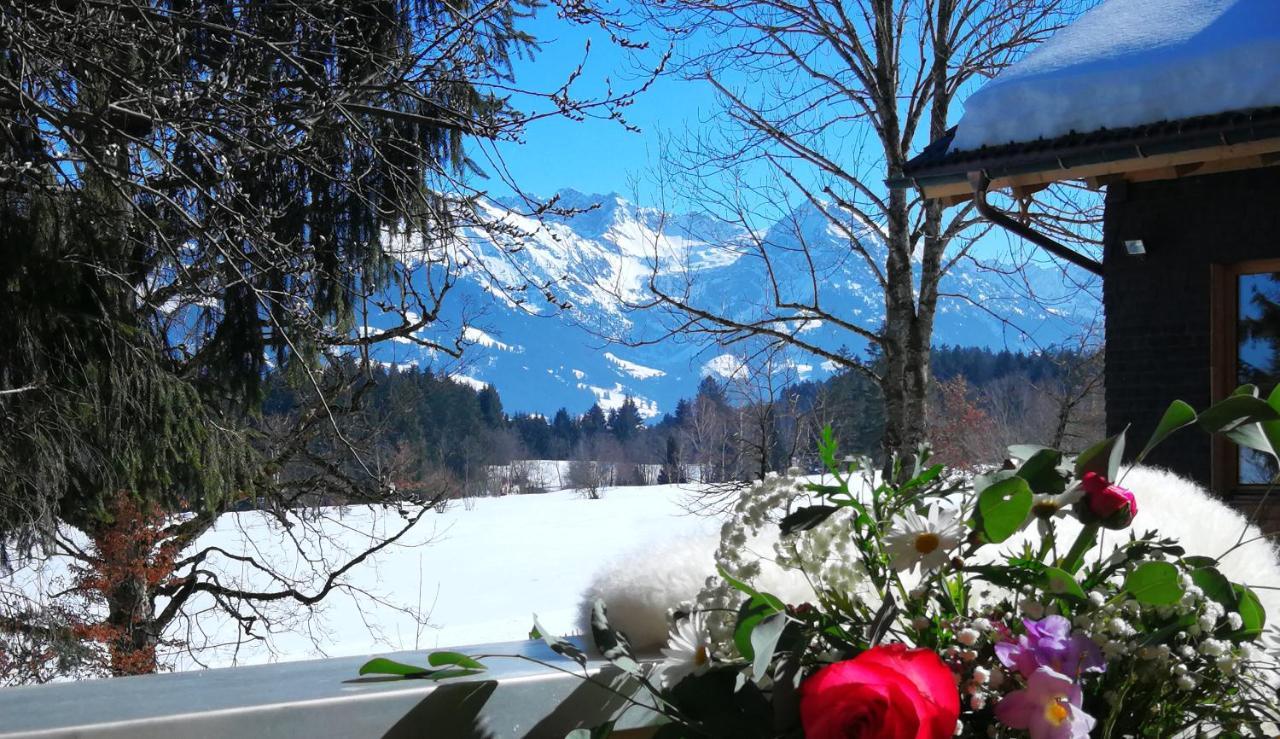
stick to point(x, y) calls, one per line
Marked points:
point(1168, 150)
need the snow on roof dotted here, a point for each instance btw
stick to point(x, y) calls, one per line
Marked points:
point(1129, 63)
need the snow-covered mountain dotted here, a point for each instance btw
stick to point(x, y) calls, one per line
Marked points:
point(600, 262)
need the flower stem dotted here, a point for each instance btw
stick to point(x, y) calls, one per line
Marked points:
point(1049, 543)
point(1084, 542)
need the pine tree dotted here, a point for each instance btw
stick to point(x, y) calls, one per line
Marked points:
point(565, 433)
point(491, 407)
point(202, 200)
point(712, 392)
point(153, 288)
point(626, 422)
point(593, 422)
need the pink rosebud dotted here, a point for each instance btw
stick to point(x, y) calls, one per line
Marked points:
point(1110, 505)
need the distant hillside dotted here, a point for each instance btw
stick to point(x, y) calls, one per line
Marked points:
point(602, 258)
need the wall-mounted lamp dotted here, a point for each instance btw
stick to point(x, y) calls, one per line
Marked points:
point(1135, 248)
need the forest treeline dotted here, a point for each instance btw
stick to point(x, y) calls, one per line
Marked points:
point(418, 425)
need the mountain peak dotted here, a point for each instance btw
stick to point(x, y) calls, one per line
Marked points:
point(601, 259)
point(571, 198)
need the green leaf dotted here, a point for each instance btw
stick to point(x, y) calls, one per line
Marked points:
point(1178, 415)
point(764, 642)
point(1041, 472)
point(1271, 429)
point(982, 482)
point(825, 491)
point(611, 644)
point(1195, 561)
point(1060, 582)
point(1004, 507)
point(925, 477)
point(1235, 411)
point(883, 619)
point(452, 672)
point(1216, 586)
point(560, 646)
point(1154, 584)
point(1252, 436)
point(1251, 613)
point(803, 519)
point(1102, 458)
point(383, 666)
point(1026, 451)
point(1008, 577)
point(755, 610)
point(456, 659)
point(603, 731)
point(1162, 634)
point(827, 450)
point(746, 589)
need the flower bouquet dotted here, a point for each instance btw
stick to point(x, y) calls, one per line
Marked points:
point(1018, 602)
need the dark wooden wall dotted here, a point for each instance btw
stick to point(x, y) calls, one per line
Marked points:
point(1158, 307)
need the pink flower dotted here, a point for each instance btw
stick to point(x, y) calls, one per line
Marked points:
point(887, 692)
point(1110, 505)
point(1051, 643)
point(1048, 708)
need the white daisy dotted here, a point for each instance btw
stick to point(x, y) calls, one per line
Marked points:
point(1045, 508)
point(1055, 506)
point(688, 650)
point(923, 540)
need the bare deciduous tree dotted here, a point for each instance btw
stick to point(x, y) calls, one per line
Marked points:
point(820, 103)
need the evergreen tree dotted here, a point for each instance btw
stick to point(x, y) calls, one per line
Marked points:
point(212, 220)
point(535, 434)
point(564, 432)
point(199, 200)
point(683, 414)
point(491, 407)
point(712, 392)
point(626, 422)
point(593, 422)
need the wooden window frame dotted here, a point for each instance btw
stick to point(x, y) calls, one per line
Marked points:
point(1224, 295)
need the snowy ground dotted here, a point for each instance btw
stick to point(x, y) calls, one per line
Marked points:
point(476, 572)
point(553, 474)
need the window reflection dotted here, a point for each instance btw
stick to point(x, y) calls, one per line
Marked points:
point(1258, 356)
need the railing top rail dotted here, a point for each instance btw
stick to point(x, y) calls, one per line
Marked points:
point(325, 698)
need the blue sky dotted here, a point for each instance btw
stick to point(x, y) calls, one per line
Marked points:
point(597, 156)
point(594, 156)
point(600, 156)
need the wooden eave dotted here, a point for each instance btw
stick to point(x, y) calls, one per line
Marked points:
point(1138, 168)
point(1222, 142)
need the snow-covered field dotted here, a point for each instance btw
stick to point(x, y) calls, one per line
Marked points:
point(476, 573)
point(553, 474)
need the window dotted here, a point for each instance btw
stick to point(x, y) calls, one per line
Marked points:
point(1247, 345)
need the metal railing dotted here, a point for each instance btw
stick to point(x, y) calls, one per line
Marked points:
point(325, 698)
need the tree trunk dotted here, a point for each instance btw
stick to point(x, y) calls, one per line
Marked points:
point(131, 619)
point(906, 373)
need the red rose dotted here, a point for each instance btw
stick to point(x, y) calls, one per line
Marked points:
point(887, 692)
point(1111, 505)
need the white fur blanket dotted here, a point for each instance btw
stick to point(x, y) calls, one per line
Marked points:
point(639, 589)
